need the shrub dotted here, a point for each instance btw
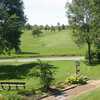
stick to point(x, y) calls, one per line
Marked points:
point(26, 92)
point(36, 32)
point(60, 85)
point(45, 72)
point(77, 80)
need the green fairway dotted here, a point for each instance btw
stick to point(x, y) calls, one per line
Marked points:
point(93, 95)
point(50, 43)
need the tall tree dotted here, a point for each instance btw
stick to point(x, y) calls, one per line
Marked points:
point(52, 28)
point(47, 27)
point(97, 24)
point(82, 19)
point(28, 26)
point(58, 26)
point(11, 21)
point(63, 27)
point(41, 27)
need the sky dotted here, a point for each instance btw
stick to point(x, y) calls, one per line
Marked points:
point(42, 12)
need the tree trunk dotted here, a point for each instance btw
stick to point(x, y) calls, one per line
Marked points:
point(89, 53)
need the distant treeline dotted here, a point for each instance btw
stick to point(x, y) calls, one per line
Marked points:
point(47, 27)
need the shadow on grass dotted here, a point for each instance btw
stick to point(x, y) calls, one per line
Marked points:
point(17, 71)
point(55, 92)
point(28, 53)
point(94, 63)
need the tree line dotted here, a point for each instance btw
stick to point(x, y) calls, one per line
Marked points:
point(47, 27)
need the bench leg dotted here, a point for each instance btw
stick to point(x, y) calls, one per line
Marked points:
point(2, 87)
point(16, 87)
point(24, 86)
point(9, 87)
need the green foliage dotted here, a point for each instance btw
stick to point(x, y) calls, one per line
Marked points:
point(41, 27)
point(60, 85)
point(97, 51)
point(83, 19)
point(11, 20)
point(63, 27)
point(95, 54)
point(26, 92)
point(58, 26)
point(98, 54)
point(45, 72)
point(53, 29)
point(92, 55)
point(36, 32)
point(77, 80)
point(28, 26)
point(47, 27)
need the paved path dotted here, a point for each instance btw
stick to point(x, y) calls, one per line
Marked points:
point(74, 58)
point(66, 95)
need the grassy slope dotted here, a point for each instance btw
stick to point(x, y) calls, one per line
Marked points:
point(93, 95)
point(50, 43)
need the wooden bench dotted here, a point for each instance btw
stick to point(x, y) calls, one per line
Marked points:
point(9, 85)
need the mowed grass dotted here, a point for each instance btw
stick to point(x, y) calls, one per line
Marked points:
point(21, 72)
point(50, 43)
point(93, 95)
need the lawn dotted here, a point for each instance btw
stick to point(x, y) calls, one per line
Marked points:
point(21, 71)
point(93, 95)
point(50, 43)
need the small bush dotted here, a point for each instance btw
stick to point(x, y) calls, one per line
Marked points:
point(77, 80)
point(45, 72)
point(26, 92)
point(60, 85)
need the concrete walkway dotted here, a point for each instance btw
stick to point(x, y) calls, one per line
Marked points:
point(72, 58)
point(68, 94)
